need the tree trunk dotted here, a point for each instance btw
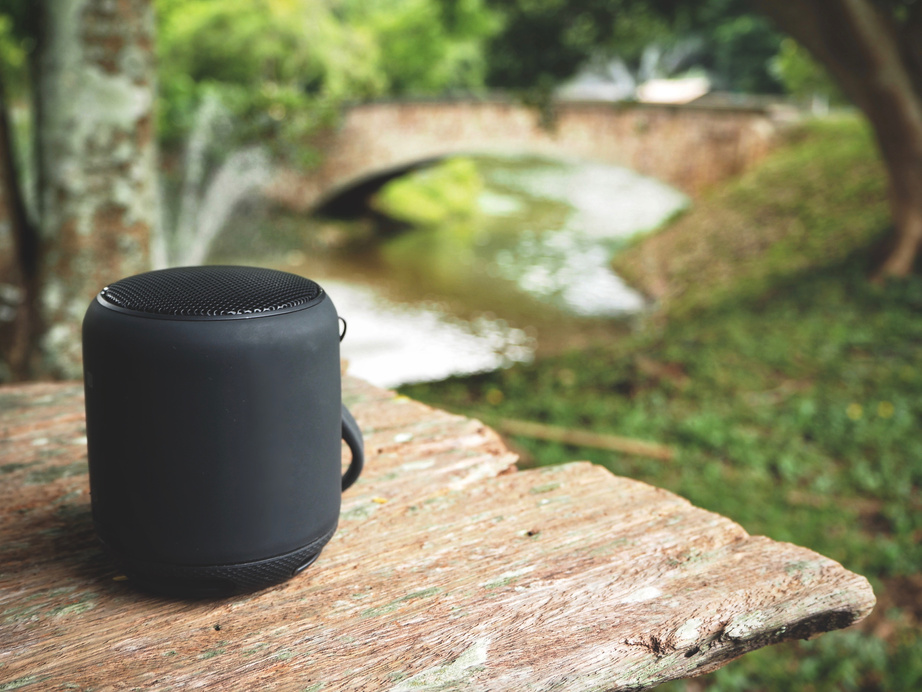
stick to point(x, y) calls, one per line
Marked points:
point(906, 203)
point(878, 63)
point(96, 160)
point(19, 332)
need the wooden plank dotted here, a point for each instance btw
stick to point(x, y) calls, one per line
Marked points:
point(450, 571)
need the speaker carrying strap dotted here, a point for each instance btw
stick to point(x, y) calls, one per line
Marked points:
point(352, 434)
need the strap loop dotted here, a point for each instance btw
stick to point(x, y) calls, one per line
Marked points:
point(352, 434)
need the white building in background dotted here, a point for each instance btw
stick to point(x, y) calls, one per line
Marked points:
point(684, 90)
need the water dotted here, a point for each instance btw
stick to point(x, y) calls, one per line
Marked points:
point(207, 199)
point(527, 272)
point(390, 343)
point(567, 263)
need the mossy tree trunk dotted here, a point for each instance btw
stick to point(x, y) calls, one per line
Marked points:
point(96, 161)
point(874, 51)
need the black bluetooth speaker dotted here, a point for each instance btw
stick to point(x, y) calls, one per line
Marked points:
point(214, 426)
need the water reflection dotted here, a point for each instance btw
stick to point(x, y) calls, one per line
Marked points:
point(570, 270)
point(390, 344)
point(423, 303)
point(568, 262)
point(542, 240)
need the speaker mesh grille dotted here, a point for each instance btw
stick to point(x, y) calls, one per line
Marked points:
point(211, 291)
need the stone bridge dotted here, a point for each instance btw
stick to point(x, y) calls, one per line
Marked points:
point(690, 147)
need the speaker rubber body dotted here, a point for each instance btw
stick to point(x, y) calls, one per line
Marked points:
point(214, 444)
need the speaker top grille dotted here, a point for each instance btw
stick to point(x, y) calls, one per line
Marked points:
point(211, 291)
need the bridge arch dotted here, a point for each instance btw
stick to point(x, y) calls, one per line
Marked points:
point(689, 147)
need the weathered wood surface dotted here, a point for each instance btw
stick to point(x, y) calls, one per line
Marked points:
point(450, 570)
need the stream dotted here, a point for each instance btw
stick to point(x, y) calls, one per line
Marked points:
point(527, 273)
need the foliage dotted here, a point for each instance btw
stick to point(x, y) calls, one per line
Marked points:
point(635, 31)
point(283, 67)
point(738, 45)
point(794, 409)
point(544, 42)
point(445, 192)
point(13, 52)
point(280, 66)
point(801, 75)
point(15, 47)
point(17, 42)
point(426, 46)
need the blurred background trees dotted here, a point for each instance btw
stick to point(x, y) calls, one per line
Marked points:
point(283, 68)
point(543, 43)
point(272, 74)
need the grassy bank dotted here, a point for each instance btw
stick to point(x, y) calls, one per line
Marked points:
point(788, 385)
point(811, 204)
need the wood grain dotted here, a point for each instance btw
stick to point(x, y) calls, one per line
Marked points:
point(451, 570)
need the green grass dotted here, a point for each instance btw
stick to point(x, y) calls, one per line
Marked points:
point(791, 390)
point(809, 204)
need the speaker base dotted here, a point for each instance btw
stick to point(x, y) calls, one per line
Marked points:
point(220, 581)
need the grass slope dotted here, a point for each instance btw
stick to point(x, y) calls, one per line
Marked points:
point(809, 205)
point(789, 386)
